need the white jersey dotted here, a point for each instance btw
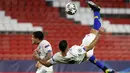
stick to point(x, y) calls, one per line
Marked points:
point(76, 54)
point(43, 48)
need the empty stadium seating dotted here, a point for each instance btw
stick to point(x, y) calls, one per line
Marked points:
point(106, 3)
point(12, 25)
point(16, 46)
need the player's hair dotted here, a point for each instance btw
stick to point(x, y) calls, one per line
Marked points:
point(39, 35)
point(63, 45)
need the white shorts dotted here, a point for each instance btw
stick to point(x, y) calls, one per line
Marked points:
point(44, 69)
point(90, 53)
point(86, 41)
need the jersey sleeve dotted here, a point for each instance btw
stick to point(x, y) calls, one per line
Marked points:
point(47, 47)
point(54, 59)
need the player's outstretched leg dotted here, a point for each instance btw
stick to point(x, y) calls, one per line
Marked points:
point(96, 10)
point(93, 60)
point(97, 24)
point(93, 6)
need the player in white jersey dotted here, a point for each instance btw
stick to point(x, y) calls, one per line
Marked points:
point(77, 54)
point(74, 55)
point(44, 51)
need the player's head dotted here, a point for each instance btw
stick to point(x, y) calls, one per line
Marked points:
point(63, 45)
point(37, 36)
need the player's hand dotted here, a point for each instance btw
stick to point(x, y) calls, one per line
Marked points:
point(37, 51)
point(38, 65)
point(35, 56)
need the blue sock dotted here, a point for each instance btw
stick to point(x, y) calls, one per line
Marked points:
point(97, 23)
point(93, 60)
point(96, 13)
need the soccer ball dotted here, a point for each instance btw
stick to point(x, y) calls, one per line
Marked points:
point(70, 9)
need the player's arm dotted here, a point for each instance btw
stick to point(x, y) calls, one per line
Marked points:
point(46, 63)
point(48, 55)
point(42, 61)
point(36, 54)
point(51, 61)
point(47, 49)
point(93, 43)
point(36, 57)
point(97, 34)
point(38, 65)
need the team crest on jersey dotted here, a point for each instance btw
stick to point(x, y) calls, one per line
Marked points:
point(79, 50)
